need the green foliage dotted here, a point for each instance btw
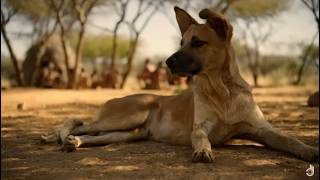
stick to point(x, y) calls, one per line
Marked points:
point(272, 63)
point(248, 9)
point(280, 70)
point(101, 46)
point(34, 10)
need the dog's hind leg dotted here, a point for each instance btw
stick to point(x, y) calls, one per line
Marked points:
point(120, 115)
point(73, 142)
point(118, 121)
point(103, 124)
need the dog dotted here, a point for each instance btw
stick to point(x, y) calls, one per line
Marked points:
point(218, 107)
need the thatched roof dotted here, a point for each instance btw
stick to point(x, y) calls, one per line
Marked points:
point(46, 51)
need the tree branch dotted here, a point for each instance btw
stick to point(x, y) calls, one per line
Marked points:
point(307, 4)
point(13, 56)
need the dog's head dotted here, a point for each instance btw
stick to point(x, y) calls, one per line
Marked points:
point(203, 46)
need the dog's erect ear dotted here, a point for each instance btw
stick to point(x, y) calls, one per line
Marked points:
point(219, 23)
point(184, 19)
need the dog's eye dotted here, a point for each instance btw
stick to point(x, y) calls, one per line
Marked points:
point(198, 43)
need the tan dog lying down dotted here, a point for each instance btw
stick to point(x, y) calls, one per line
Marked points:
point(217, 108)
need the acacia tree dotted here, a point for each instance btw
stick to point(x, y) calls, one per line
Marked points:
point(36, 13)
point(77, 11)
point(5, 19)
point(121, 11)
point(142, 16)
point(60, 9)
point(83, 9)
point(254, 14)
point(307, 51)
point(252, 53)
point(39, 15)
point(144, 7)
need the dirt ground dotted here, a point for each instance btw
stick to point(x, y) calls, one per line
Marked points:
point(24, 157)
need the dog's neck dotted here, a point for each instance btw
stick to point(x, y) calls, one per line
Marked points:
point(220, 84)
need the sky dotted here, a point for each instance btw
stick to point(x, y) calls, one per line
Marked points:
point(161, 38)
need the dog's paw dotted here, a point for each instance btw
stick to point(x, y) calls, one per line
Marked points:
point(310, 154)
point(70, 143)
point(203, 155)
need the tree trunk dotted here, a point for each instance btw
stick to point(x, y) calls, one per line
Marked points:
point(304, 61)
point(65, 51)
point(115, 33)
point(78, 56)
point(129, 62)
point(114, 47)
point(256, 70)
point(115, 43)
point(255, 80)
point(12, 56)
point(300, 71)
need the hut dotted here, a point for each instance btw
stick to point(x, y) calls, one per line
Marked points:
point(46, 53)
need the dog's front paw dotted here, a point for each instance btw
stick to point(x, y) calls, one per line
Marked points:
point(310, 154)
point(203, 155)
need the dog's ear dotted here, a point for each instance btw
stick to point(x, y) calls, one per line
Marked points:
point(184, 19)
point(219, 23)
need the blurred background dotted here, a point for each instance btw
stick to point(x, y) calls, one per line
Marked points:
point(121, 43)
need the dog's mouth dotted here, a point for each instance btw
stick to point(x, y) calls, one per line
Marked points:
point(183, 72)
point(196, 70)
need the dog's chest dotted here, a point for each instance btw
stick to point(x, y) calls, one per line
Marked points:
point(165, 128)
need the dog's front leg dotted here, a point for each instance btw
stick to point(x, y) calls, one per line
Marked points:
point(202, 126)
point(201, 144)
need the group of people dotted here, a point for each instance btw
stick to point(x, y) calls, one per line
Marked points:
point(110, 79)
point(50, 76)
point(158, 77)
point(152, 77)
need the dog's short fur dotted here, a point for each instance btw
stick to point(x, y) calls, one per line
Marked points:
point(217, 108)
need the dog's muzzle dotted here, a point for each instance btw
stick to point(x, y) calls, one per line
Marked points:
point(171, 62)
point(183, 64)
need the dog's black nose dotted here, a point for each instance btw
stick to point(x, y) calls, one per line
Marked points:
point(171, 61)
